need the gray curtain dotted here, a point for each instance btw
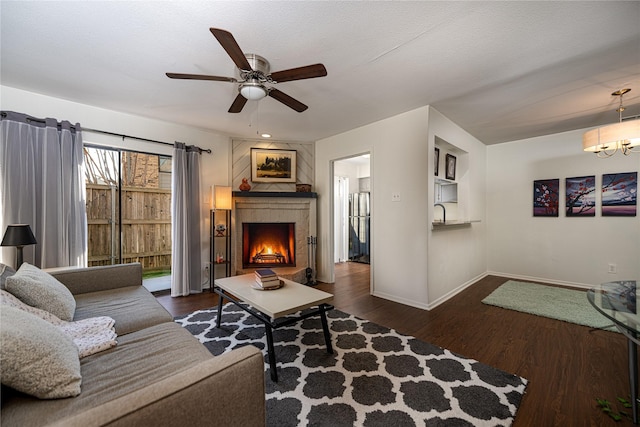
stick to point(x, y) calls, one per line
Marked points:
point(42, 184)
point(185, 226)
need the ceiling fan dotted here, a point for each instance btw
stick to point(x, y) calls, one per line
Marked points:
point(254, 75)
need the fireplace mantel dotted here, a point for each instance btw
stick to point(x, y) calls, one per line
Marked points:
point(292, 194)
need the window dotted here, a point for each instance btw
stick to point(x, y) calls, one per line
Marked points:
point(129, 208)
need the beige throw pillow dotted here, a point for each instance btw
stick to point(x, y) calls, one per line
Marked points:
point(37, 358)
point(40, 289)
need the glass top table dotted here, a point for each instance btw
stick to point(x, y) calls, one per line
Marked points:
point(617, 301)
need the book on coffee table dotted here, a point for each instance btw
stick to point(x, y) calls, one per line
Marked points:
point(267, 278)
point(265, 273)
point(269, 284)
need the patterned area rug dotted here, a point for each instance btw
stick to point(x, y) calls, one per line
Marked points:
point(376, 376)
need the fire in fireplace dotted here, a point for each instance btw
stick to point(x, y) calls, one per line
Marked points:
point(268, 244)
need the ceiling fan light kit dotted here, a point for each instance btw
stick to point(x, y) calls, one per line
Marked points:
point(623, 136)
point(254, 74)
point(253, 91)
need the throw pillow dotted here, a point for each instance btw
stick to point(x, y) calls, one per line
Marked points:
point(7, 298)
point(37, 358)
point(40, 289)
point(91, 335)
point(5, 271)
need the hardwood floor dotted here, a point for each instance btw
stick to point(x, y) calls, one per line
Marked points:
point(568, 366)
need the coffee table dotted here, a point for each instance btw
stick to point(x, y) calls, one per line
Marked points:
point(617, 302)
point(271, 306)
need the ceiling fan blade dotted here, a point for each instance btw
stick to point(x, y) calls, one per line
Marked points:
point(300, 73)
point(287, 100)
point(225, 38)
point(201, 77)
point(238, 104)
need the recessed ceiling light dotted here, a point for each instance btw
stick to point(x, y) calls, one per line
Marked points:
point(266, 135)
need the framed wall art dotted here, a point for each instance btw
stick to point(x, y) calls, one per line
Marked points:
point(436, 160)
point(268, 165)
point(450, 164)
point(619, 194)
point(545, 197)
point(581, 196)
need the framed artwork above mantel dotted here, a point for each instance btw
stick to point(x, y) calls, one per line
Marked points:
point(270, 165)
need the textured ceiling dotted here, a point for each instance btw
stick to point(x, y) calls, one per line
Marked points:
point(501, 70)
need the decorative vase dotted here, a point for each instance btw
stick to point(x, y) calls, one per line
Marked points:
point(245, 185)
point(303, 188)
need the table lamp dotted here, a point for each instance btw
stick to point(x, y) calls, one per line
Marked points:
point(18, 235)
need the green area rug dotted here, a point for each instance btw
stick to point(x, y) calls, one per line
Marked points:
point(548, 301)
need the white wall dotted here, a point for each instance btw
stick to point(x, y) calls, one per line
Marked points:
point(214, 167)
point(564, 250)
point(399, 230)
point(457, 257)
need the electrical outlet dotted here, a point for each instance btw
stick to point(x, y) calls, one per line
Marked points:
point(395, 197)
point(613, 268)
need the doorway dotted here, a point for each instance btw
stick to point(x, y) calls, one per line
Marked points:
point(352, 210)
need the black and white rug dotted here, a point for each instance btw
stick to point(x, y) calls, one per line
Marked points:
point(376, 376)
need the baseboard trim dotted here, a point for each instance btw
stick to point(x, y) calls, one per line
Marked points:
point(455, 291)
point(430, 306)
point(403, 301)
point(539, 279)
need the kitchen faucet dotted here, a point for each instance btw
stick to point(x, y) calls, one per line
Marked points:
point(444, 211)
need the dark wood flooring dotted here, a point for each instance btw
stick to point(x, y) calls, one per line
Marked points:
point(567, 365)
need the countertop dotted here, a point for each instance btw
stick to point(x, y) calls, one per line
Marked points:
point(453, 223)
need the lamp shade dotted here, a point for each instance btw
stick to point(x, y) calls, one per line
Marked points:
point(611, 136)
point(18, 235)
point(222, 197)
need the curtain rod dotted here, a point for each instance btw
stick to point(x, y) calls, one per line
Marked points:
point(138, 138)
point(34, 119)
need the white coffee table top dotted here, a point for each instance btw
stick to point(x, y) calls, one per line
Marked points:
point(290, 298)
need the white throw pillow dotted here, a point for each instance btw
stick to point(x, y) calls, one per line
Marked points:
point(40, 289)
point(37, 358)
point(7, 298)
point(91, 335)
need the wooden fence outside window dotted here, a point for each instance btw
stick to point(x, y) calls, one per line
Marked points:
point(146, 226)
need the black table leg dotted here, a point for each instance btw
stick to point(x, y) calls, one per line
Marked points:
point(633, 377)
point(325, 328)
point(271, 353)
point(219, 315)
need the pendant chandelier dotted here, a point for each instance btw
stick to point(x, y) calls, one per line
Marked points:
point(623, 136)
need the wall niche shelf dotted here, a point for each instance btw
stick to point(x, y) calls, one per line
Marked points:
point(450, 186)
point(445, 191)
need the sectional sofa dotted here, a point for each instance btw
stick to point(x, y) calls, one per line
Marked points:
point(157, 374)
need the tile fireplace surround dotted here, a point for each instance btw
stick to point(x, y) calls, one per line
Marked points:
point(266, 207)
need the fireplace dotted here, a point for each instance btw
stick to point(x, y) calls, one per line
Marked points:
point(257, 207)
point(268, 244)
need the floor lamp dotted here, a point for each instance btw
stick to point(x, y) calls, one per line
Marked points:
point(18, 235)
point(222, 201)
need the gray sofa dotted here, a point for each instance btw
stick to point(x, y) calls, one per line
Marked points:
point(157, 375)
